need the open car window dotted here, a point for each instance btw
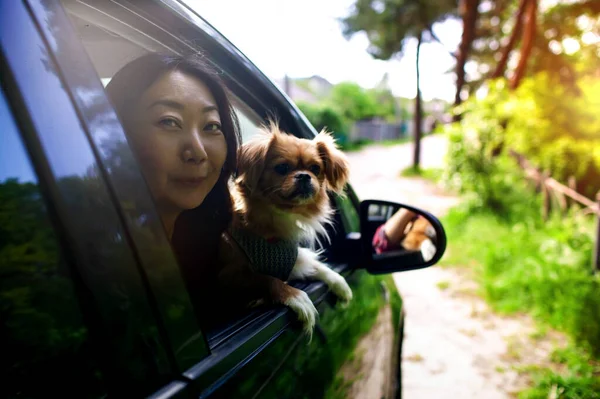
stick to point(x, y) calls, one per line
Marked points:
point(111, 44)
point(114, 36)
point(112, 41)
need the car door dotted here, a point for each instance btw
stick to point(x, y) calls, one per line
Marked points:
point(78, 317)
point(261, 353)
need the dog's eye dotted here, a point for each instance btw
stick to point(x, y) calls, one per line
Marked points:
point(315, 169)
point(283, 168)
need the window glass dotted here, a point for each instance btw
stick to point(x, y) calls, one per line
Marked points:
point(45, 345)
point(249, 121)
point(112, 39)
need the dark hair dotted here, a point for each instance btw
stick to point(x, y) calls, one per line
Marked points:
point(197, 231)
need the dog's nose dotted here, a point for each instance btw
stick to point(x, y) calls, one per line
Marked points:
point(302, 177)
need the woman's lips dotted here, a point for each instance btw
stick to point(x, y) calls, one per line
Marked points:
point(190, 181)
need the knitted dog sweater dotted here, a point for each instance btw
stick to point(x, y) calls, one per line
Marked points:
point(274, 258)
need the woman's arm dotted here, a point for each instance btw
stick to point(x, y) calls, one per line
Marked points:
point(395, 227)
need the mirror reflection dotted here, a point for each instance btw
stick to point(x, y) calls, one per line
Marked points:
point(398, 230)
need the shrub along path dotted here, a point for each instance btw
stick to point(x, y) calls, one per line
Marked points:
point(455, 346)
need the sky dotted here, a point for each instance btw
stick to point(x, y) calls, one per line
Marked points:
point(302, 38)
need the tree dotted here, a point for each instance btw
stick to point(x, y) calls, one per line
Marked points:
point(353, 102)
point(529, 30)
point(526, 31)
point(323, 116)
point(469, 11)
point(388, 24)
point(516, 32)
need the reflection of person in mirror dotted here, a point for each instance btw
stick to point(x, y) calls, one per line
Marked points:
point(406, 230)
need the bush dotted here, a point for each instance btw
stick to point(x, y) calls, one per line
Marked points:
point(474, 168)
point(325, 117)
point(556, 129)
point(524, 264)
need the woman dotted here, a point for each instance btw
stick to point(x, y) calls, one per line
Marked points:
point(389, 235)
point(184, 133)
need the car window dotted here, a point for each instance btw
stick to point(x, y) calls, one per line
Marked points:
point(105, 32)
point(45, 344)
point(111, 43)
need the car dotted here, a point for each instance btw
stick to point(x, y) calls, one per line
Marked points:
point(92, 300)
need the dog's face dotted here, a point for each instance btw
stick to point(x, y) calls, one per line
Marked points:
point(420, 230)
point(289, 172)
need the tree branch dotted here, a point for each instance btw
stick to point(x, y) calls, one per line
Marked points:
point(470, 14)
point(512, 41)
point(528, 38)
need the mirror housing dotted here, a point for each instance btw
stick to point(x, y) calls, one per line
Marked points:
point(422, 242)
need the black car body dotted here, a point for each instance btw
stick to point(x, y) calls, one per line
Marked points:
point(92, 302)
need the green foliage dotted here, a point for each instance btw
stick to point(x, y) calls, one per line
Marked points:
point(388, 23)
point(557, 129)
point(431, 174)
point(347, 103)
point(386, 104)
point(353, 101)
point(323, 116)
point(473, 169)
point(526, 265)
point(554, 24)
point(580, 380)
point(554, 128)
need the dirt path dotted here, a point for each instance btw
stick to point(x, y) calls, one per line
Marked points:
point(375, 174)
point(454, 346)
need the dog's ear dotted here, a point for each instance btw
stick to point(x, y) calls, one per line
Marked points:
point(334, 161)
point(252, 157)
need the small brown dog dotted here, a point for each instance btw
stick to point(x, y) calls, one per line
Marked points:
point(421, 237)
point(281, 201)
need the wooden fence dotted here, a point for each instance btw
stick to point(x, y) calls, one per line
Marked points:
point(556, 193)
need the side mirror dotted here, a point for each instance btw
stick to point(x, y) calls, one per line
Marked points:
point(414, 238)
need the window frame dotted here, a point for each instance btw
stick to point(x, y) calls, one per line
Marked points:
point(176, 26)
point(97, 118)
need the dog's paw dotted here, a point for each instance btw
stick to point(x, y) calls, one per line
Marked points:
point(428, 250)
point(340, 287)
point(301, 304)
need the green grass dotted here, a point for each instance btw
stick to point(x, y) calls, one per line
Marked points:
point(391, 143)
point(544, 269)
point(362, 143)
point(432, 174)
point(580, 380)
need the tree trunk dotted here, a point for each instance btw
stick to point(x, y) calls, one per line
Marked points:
point(470, 13)
point(512, 41)
point(528, 38)
point(418, 111)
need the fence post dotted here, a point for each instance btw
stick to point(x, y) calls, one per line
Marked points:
point(573, 186)
point(596, 260)
point(545, 195)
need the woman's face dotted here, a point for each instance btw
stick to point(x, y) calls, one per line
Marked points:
point(177, 135)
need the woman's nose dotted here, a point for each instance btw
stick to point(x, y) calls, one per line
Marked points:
point(194, 151)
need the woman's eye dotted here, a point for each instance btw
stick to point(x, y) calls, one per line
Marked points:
point(169, 123)
point(212, 127)
point(315, 169)
point(283, 169)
